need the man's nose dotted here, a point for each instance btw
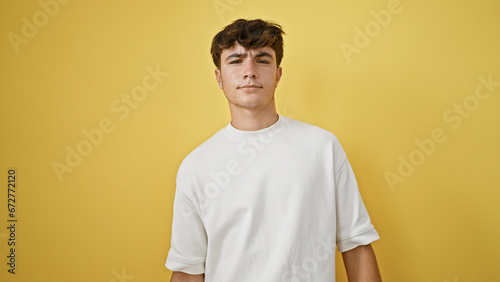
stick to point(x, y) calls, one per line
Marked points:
point(249, 70)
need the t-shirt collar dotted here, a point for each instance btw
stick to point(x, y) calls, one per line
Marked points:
point(244, 134)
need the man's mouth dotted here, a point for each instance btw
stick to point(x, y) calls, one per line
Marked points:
point(249, 86)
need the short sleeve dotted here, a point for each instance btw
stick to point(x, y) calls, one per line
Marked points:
point(354, 227)
point(189, 240)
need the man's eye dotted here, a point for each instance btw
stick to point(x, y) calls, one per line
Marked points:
point(263, 62)
point(235, 62)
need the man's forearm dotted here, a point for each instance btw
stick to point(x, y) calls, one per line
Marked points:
point(361, 264)
point(184, 277)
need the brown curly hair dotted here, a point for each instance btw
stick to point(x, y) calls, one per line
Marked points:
point(250, 34)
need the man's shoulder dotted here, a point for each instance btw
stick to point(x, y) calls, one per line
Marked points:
point(207, 150)
point(308, 130)
point(316, 138)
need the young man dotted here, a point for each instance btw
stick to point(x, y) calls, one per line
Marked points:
point(266, 198)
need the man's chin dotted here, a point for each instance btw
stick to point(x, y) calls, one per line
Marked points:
point(253, 104)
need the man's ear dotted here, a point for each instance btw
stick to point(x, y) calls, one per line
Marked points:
point(279, 72)
point(218, 76)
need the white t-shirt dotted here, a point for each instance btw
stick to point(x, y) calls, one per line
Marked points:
point(267, 206)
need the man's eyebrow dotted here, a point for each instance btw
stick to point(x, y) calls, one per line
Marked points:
point(243, 55)
point(236, 55)
point(264, 54)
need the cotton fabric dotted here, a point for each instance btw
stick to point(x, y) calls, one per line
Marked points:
point(267, 205)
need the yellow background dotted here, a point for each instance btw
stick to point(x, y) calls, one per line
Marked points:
point(111, 216)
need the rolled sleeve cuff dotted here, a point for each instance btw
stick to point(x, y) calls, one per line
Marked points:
point(364, 238)
point(189, 268)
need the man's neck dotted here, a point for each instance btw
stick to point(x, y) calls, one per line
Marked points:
point(251, 120)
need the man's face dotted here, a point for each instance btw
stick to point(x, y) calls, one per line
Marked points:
point(248, 77)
